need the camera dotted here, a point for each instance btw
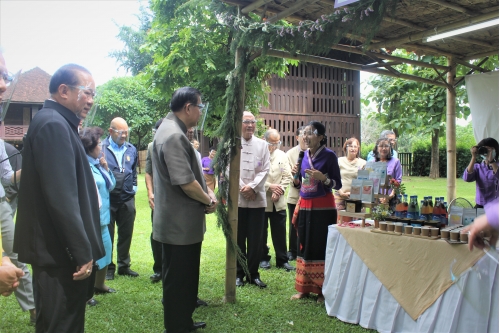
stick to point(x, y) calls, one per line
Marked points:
point(482, 150)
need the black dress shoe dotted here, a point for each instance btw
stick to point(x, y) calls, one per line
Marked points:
point(110, 275)
point(199, 324)
point(265, 264)
point(259, 283)
point(290, 256)
point(128, 272)
point(98, 291)
point(92, 302)
point(200, 302)
point(239, 282)
point(287, 266)
point(156, 277)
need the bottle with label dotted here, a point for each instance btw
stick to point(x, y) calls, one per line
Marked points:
point(404, 212)
point(436, 211)
point(412, 208)
point(417, 208)
point(399, 206)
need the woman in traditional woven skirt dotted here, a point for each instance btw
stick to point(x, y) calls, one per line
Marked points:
point(316, 176)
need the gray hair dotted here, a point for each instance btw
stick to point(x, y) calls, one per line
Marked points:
point(270, 132)
point(385, 133)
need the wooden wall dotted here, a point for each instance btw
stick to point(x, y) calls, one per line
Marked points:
point(314, 92)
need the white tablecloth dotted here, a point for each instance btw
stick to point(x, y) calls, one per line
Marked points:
point(354, 295)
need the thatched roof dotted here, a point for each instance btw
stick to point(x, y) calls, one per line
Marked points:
point(411, 17)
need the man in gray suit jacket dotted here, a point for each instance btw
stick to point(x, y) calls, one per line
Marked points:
point(180, 187)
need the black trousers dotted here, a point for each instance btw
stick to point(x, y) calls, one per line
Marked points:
point(181, 274)
point(124, 216)
point(59, 300)
point(156, 247)
point(250, 229)
point(292, 232)
point(277, 220)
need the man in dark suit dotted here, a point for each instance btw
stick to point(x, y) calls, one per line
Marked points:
point(179, 186)
point(58, 230)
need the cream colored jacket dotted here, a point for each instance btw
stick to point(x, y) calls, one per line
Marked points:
point(254, 166)
point(279, 173)
point(293, 156)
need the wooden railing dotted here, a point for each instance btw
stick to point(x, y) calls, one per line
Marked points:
point(13, 132)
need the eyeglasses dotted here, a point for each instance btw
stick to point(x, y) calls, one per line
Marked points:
point(120, 133)
point(7, 78)
point(315, 132)
point(200, 106)
point(249, 122)
point(393, 140)
point(384, 146)
point(349, 146)
point(275, 144)
point(88, 92)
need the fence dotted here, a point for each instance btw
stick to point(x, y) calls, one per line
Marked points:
point(406, 163)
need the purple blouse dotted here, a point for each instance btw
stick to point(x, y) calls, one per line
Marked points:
point(486, 183)
point(491, 210)
point(206, 162)
point(394, 170)
point(325, 161)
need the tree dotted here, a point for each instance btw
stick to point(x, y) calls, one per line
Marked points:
point(130, 98)
point(190, 46)
point(417, 108)
point(132, 58)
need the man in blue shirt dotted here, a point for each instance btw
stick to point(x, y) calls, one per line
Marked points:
point(122, 160)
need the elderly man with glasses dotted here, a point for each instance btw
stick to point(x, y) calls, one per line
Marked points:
point(254, 166)
point(278, 179)
point(391, 136)
point(122, 161)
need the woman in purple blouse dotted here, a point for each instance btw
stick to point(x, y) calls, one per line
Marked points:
point(208, 169)
point(319, 174)
point(485, 173)
point(383, 153)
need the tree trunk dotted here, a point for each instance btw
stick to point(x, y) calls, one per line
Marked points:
point(434, 172)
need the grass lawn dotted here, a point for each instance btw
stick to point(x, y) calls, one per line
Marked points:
point(136, 307)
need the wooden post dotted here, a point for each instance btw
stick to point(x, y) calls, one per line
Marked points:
point(234, 181)
point(451, 134)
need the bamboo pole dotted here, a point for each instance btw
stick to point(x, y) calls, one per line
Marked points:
point(451, 134)
point(234, 180)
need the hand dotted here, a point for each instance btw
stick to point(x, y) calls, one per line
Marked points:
point(83, 272)
point(345, 195)
point(383, 200)
point(473, 151)
point(9, 277)
point(475, 232)
point(206, 169)
point(248, 193)
point(213, 208)
point(295, 168)
point(104, 163)
point(316, 174)
point(276, 189)
point(151, 200)
point(275, 197)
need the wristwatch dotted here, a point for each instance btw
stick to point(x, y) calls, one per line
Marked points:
point(212, 203)
point(326, 181)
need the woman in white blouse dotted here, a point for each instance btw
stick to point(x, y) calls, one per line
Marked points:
point(349, 166)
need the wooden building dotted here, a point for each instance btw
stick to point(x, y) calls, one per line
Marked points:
point(315, 92)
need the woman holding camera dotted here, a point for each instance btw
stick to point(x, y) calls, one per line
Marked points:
point(485, 173)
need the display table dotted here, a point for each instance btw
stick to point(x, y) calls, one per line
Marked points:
point(354, 294)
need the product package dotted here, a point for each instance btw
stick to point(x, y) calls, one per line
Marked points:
point(375, 176)
point(367, 191)
point(356, 189)
point(455, 216)
point(364, 174)
point(469, 216)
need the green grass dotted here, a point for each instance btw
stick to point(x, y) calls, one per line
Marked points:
point(136, 307)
